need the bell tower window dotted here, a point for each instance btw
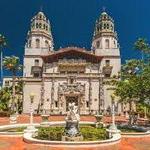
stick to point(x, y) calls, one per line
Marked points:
point(107, 43)
point(107, 26)
point(40, 25)
point(97, 44)
point(37, 43)
point(46, 28)
point(46, 44)
point(107, 62)
point(36, 62)
point(37, 25)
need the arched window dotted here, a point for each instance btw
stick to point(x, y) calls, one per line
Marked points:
point(46, 28)
point(37, 43)
point(43, 26)
point(36, 62)
point(37, 25)
point(115, 44)
point(104, 26)
point(40, 16)
point(107, 43)
point(46, 44)
point(97, 44)
point(112, 28)
point(40, 25)
point(33, 25)
point(107, 26)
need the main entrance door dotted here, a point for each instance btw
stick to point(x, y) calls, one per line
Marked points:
point(71, 99)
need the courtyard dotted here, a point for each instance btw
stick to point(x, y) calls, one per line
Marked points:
point(14, 142)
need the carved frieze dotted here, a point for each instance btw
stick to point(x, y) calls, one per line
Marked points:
point(71, 88)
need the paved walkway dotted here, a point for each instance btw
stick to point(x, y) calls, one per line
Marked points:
point(37, 119)
point(17, 143)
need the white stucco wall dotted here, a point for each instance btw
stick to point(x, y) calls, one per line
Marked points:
point(31, 87)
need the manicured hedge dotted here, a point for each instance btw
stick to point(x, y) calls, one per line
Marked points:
point(89, 133)
point(50, 133)
point(92, 134)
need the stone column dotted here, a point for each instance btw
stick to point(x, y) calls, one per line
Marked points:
point(101, 94)
point(52, 95)
point(90, 95)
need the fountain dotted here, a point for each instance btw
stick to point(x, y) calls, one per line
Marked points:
point(72, 132)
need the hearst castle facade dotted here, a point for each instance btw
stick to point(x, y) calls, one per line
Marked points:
point(70, 74)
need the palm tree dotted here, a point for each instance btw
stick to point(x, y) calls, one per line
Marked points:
point(13, 65)
point(2, 45)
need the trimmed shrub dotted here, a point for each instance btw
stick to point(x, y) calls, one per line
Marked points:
point(89, 133)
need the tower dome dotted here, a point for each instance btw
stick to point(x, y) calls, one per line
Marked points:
point(39, 35)
point(104, 26)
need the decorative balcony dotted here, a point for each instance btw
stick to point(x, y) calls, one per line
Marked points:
point(107, 70)
point(36, 71)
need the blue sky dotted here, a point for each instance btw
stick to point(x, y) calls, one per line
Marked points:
point(73, 22)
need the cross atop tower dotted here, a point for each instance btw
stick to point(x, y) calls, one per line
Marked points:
point(104, 8)
point(41, 8)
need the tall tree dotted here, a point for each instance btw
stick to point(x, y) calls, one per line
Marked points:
point(5, 96)
point(13, 65)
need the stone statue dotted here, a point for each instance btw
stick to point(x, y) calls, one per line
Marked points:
point(71, 132)
point(72, 114)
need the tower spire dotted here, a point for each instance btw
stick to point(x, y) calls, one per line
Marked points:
point(41, 8)
point(104, 9)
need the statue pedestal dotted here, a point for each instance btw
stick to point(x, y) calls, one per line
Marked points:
point(71, 132)
point(72, 128)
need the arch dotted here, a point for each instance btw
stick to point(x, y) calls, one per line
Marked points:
point(46, 44)
point(107, 26)
point(37, 25)
point(40, 16)
point(40, 25)
point(37, 43)
point(36, 62)
point(97, 44)
point(114, 43)
point(43, 26)
point(46, 28)
point(107, 45)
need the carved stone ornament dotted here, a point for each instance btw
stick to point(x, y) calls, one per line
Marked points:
point(71, 88)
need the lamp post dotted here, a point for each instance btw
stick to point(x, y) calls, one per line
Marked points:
point(113, 126)
point(32, 95)
point(113, 129)
point(31, 128)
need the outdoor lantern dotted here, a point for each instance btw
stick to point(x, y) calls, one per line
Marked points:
point(32, 95)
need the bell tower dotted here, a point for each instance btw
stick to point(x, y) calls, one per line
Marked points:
point(105, 44)
point(40, 36)
point(39, 42)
